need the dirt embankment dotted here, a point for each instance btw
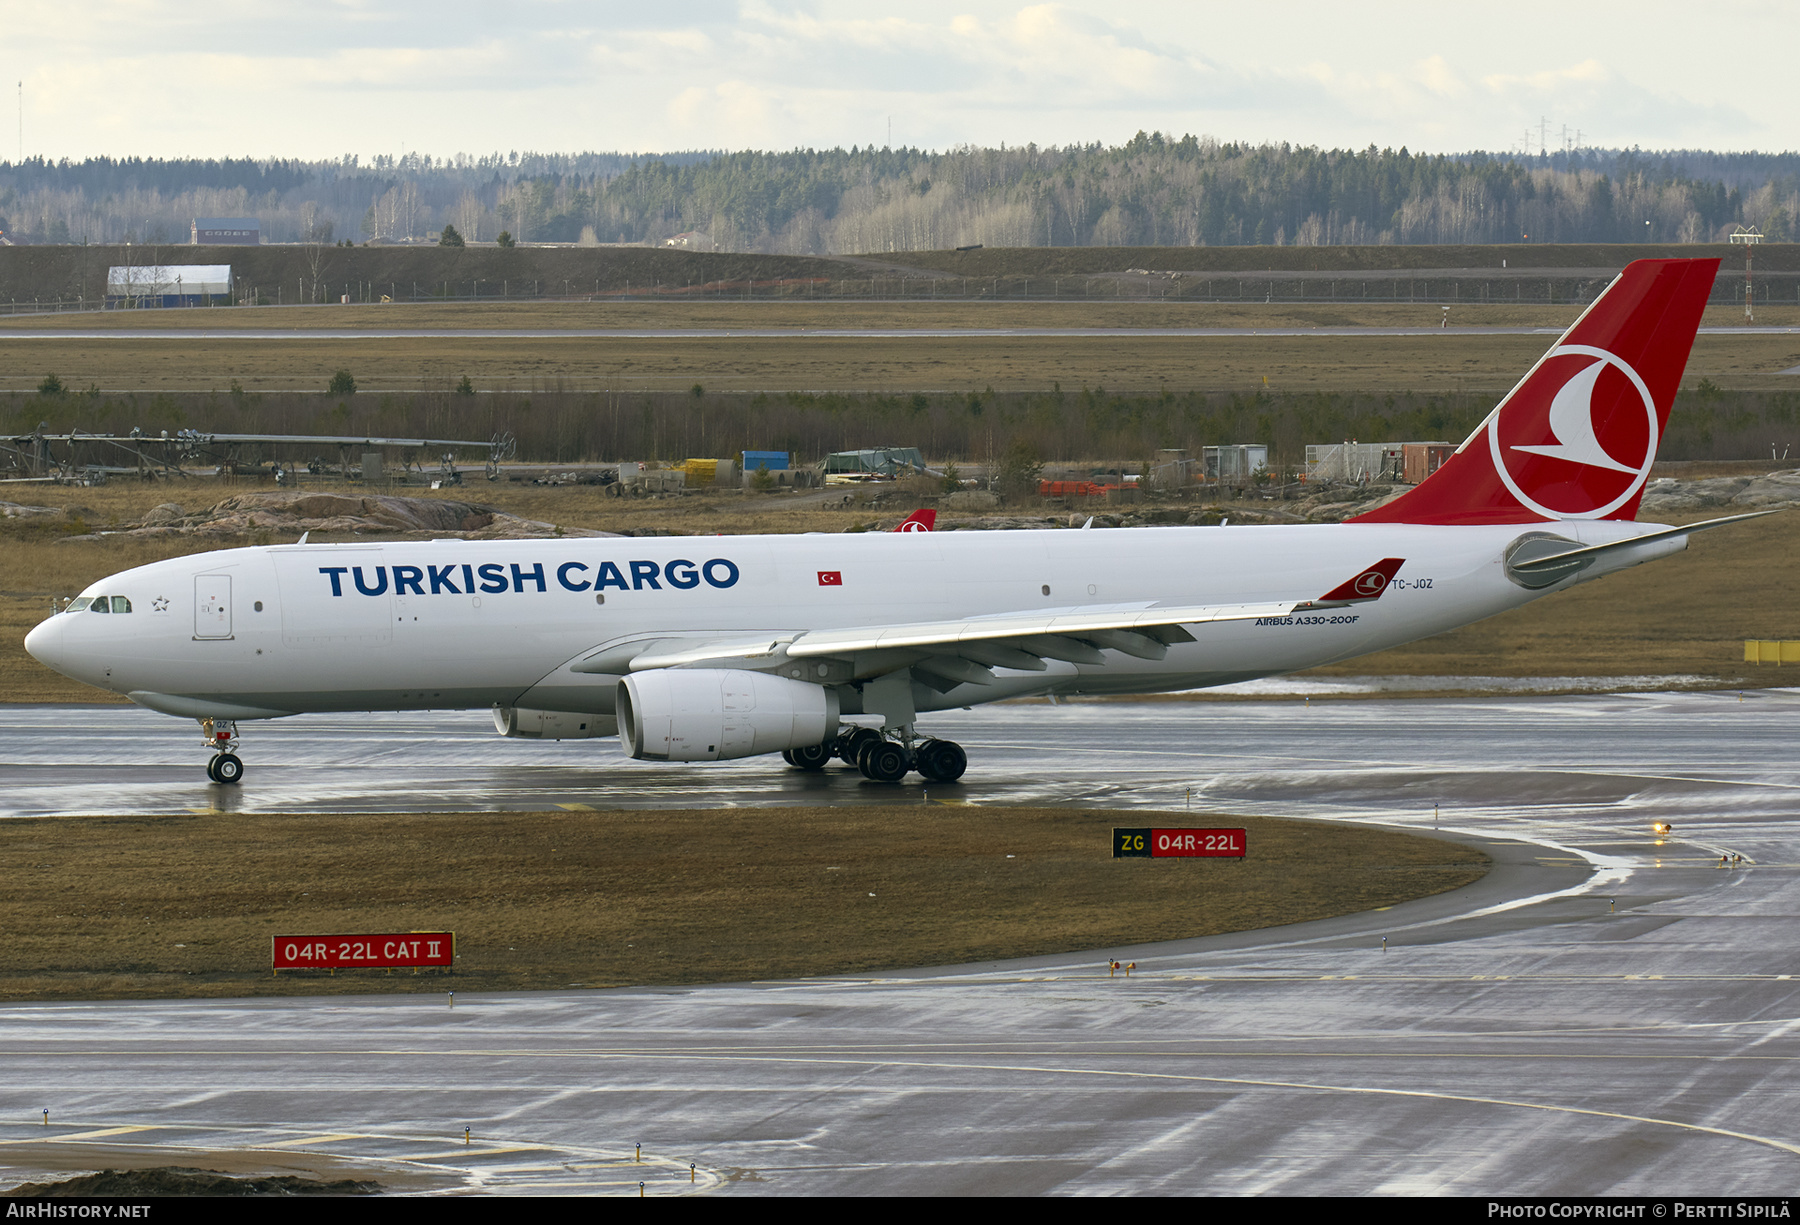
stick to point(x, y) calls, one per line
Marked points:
point(248, 514)
point(185, 1181)
point(406, 272)
point(253, 515)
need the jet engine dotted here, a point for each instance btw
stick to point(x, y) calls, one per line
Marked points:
point(711, 714)
point(551, 724)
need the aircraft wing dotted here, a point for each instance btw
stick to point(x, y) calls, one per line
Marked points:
point(1153, 624)
point(952, 652)
point(966, 649)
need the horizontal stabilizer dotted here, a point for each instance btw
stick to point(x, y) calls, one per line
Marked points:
point(1544, 560)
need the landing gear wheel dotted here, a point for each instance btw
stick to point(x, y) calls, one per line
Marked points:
point(787, 755)
point(883, 762)
point(812, 757)
point(942, 761)
point(221, 737)
point(850, 744)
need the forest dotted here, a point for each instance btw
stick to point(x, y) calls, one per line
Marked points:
point(1152, 190)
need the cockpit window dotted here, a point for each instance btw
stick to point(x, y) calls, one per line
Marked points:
point(121, 604)
point(79, 605)
point(100, 604)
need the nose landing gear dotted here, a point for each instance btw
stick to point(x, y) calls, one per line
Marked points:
point(221, 738)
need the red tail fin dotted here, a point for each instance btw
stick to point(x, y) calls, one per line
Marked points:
point(1576, 438)
point(922, 520)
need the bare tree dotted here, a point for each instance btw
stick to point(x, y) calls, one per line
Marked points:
point(315, 264)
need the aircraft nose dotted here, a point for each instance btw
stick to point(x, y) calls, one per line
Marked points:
point(45, 644)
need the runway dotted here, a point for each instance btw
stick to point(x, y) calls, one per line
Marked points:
point(1606, 1013)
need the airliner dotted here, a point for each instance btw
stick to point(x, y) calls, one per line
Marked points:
point(839, 647)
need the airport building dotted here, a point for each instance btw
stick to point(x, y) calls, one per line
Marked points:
point(1237, 462)
point(230, 231)
point(168, 285)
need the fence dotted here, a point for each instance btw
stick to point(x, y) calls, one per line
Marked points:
point(1355, 461)
point(1539, 288)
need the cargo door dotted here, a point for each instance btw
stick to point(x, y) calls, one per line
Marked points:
point(212, 606)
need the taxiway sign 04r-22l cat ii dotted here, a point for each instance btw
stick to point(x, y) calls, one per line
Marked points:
point(823, 646)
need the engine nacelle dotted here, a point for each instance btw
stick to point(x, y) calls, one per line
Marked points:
point(711, 714)
point(552, 724)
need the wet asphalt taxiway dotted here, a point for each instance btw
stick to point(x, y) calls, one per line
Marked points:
point(1608, 1012)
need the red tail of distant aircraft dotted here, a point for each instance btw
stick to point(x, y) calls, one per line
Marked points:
point(919, 521)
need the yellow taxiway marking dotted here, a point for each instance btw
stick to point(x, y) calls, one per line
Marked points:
point(331, 1138)
point(579, 807)
point(106, 1131)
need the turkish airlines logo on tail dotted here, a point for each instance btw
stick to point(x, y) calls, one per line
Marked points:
point(1370, 583)
point(1577, 439)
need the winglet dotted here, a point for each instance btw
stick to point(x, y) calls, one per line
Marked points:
point(1364, 587)
point(921, 520)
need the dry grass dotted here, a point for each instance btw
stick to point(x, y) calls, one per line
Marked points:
point(815, 363)
point(1526, 260)
point(185, 906)
point(911, 313)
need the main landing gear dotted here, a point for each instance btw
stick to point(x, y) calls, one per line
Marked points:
point(883, 760)
point(222, 738)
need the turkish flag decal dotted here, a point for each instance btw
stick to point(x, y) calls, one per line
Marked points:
point(831, 578)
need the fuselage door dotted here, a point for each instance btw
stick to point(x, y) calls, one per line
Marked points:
point(212, 606)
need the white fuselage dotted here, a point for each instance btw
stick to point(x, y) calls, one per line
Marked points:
point(259, 632)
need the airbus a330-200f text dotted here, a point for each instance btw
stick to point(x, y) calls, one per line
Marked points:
point(838, 646)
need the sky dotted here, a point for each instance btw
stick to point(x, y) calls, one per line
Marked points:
point(206, 78)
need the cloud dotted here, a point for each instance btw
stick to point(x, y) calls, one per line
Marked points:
point(450, 74)
point(1587, 72)
point(731, 114)
point(1436, 75)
